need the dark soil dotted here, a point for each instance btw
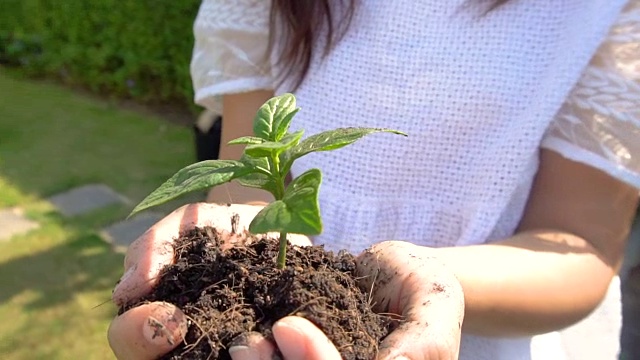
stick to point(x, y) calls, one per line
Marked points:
point(227, 293)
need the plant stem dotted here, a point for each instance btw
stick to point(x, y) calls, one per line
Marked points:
point(278, 177)
point(282, 251)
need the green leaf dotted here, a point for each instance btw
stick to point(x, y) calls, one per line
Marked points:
point(246, 140)
point(261, 164)
point(198, 176)
point(274, 117)
point(266, 149)
point(330, 140)
point(258, 179)
point(298, 212)
point(273, 148)
point(282, 124)
point(292, 139)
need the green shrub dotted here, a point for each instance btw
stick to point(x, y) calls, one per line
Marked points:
point(133, 49)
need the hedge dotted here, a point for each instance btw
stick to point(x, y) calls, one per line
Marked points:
point(136, 49)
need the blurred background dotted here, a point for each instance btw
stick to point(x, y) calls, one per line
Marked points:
point(96, 111)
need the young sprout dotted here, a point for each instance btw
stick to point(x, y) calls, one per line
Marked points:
point(267, 159)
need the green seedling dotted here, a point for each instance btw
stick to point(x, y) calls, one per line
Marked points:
point(267, 159)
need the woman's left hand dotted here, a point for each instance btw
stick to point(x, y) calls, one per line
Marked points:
point(404, 279)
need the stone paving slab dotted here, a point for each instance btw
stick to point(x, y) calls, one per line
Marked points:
point(13, 223)
point(123, 233)
point(87, 198)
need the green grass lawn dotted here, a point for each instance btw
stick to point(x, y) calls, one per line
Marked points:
point(55, 282)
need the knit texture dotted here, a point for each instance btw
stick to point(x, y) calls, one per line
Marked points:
point(478, 95)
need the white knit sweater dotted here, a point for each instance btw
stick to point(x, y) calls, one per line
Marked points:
point(478, 96)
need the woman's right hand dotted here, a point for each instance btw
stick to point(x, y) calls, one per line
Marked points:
point(151, 330)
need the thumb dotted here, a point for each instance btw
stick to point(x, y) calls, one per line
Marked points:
point(147, 332)
point(299, 339)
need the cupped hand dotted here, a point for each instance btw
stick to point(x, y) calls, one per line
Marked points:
point(151, 330)
point(409, 280)
point(403, 279)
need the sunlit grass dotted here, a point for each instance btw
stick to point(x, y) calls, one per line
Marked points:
point(55, 282)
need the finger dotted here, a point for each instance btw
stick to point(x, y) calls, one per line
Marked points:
point(251, 346)
point(431, 329)
point(147, 255)
point(223, 217)
point(147, 331)
point(299, 339)
point(408, 281)
point(297, 239)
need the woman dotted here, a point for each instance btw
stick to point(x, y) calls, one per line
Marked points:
point(515, 189)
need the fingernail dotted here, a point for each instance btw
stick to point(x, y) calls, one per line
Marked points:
point(251, 346)
point(164, 327)
point(127, 274)
point(239, 348)
point(243, 352)
point(401, 357)
point(121, 283)
point(156, 332)
point(294, 348)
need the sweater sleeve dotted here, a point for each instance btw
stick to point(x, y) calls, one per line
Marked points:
point(230, 50)
point(599, 124)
